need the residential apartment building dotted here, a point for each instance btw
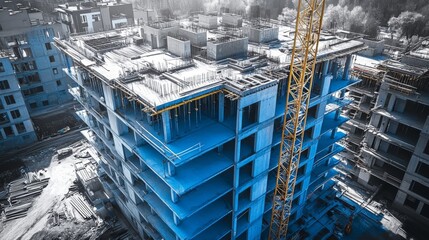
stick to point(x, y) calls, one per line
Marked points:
point(16, 128)
point(189, 149)
point(88, 17)
point(36, 61)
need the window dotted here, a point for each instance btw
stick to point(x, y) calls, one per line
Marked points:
point(423, 169)
point(32, 65)
point(419, 189)
point(425, 211)
point(8, 131)
point(17, 67)
point(1, 28)
point(83, 18)
point(32, 91)
point(55, 71)
point(26, 52)
point(96, 17)
point(20, 127)
point(59, 83)
point(51, 58)
point(411, 202)
point(4, 118)
point(15, 114)
point(1, 67)
point(48, 46)
point(4, 85)
point(45, 103)
point(21, 80)
point(9, 99)
point(34, 78)
point(33, 105)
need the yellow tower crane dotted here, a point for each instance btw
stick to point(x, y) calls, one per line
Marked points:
point(304, 53)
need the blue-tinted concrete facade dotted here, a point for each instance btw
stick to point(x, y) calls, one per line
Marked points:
point(16, 128)
point(37, 63)
point(201, 163)
point(38, 66)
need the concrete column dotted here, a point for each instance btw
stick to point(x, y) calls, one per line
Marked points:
point(259, 188)
point(239, 117)
point(68, 64)
point(171, 169)
point(325, 80)
point(347, 67)
point(149, 119)
point(174, 196)
point(334, 132)
point(166, 126)
point(221, 107)
point(176, 219)
point(391, 103)
point(261, 164)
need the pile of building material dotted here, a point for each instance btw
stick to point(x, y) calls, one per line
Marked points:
point(21, 193)
point(80, 205)
point(17, 211)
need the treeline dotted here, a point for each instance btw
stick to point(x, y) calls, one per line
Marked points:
point(408, 18)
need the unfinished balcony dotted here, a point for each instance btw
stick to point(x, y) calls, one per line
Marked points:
point(188, 127)
point(395, 156)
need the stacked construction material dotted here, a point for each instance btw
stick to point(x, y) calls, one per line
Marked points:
point(21, 191)
point(21, 194)
point(17, 211)
point(82, 206)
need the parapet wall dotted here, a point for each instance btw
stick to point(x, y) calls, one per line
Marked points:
point(221, 50)
point(261, 35)
point(181, 48)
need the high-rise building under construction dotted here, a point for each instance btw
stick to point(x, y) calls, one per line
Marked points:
point(188, 136)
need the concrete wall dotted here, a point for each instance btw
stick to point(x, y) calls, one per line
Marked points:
point(126, 9)
point(196, 38)
point(233, 20)
point(261, 35)
point(157, 37)
point(218, 51)
point(179, 47)
point(207, 21)
point(375, 47)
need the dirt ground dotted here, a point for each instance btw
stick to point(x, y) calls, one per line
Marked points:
point(61, 175)
point(52, 215)
point(48, 125)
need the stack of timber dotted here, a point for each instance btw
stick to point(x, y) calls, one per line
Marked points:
point(21, 191)
point(20, 196)
point(17, 211)
point(81, 206)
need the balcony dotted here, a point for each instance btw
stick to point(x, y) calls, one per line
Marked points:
point(404, 118)
point(394, 160)
point(197, 223)
point(382, 174)
point(192, 201)
point(183, 149)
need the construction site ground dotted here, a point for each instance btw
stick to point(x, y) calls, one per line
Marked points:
point(374, 218)
point(42, 221)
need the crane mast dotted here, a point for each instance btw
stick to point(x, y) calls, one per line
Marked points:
point(303, 61)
